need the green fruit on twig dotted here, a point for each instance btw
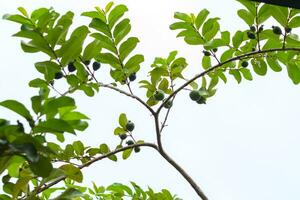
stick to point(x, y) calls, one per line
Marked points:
point(123, 136)
point(137, 149)
point(288, 30)
point(215, 50)
point(261, 28)
point(132, 76)
point(206, 53)
point(58, 75)
point(252, 28)
point(202, 100)
point(71, 67)
point(129, 126)
point(195, 95)
point(245, 64)
point(159, 95)
point(129, 142)
point(86, 62)
point(96, 66)
point(168, 104)
point(250, 35)
point(277, 30)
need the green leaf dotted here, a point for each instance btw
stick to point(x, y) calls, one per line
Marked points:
point(237, 39)
point(110, 59)
point(133, 64)
point(210, 28)
point(126, 153)
point(182, 16)
point(293, 72)
point(71, 49)
point(115, 14)
point(108, 6)
point(69, 116)
point(206, 62)
point(280, 14)
point(59, 32)
point(236, 74)
point(48, 68)
point(295, 22)
point(246, 74)
point(127, 47)
point(119, 131)
point(91, 50)
point(72, 172)
point(53, 126)
point(68, 194)
point(17, 107)
point(29, 150)
point(23, 11)
point(172, 56)
point(54, 104)
point(274, 64)
point(36, 103)
point(42, 167)
point(105, 42)
point(94, 15)
point(259, 66)
point(246, 16)
point(18, 19)
point(100, 26)
point(20, 185)
point(201, 17)
point(121, 30)
point(123, 120)
point(104, 149)
point(38, 83)
point(78, 147)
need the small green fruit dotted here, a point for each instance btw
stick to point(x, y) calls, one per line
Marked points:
point(159, 95)
point(252, 28)
point(58, 75)
point(245, 64)
point(132, 76)
point(288, 30)
point(215, 50)
point(202, 100)
point(277, 30)
point(123, 136)
point(250, 35)
point(206, 53)
point(137, 149)
point(129, 142)
point(168, 104)
point(96, 66)
point(129, 126)
point(261, 28)
point(195, 95)
point(71, 67)
point(86, 62)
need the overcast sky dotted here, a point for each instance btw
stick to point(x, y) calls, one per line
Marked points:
point(242, 145)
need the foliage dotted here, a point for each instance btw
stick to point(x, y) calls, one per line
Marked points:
point(31, 163)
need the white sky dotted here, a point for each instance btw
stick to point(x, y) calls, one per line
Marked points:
point(243, 145)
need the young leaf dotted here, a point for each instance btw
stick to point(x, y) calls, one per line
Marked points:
point(17, 107)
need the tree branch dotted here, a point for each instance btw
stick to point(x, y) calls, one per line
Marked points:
point(184, 174)
point(219, 65)
point(129, 95)
point(95, 160)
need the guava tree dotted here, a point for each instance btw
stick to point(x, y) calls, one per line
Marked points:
point(36, 166)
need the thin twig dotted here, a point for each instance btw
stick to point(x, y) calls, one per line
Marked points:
point(95, 160)
point(221, 64)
